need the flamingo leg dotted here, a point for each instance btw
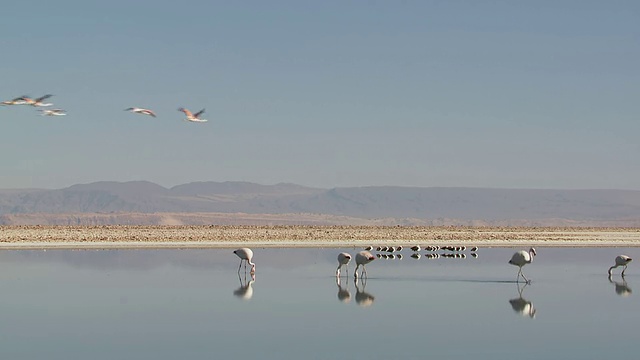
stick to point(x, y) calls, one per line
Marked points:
point(364, 271)
point(525, 279)
point(239, 266)
point(355, 274)
point(623, 270)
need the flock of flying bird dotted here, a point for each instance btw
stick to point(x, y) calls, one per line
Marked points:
point(39, 103)
point(519, 259)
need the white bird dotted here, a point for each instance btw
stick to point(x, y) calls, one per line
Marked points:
point(621, 260)
point(523, 306)
point(522, 258)
point(245, 254)
point(141, 111)
point(343, 293)
point(53, 112)
point(245, 291)
point(193, 117)
point(343, 259)
point(38, 102)
point(622, 288)
point(363, 298)
point(362, 259)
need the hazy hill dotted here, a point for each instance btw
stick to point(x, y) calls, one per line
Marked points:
point(420, 205)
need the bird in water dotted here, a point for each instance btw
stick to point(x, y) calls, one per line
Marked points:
point(343, 259)
point(245, 254)
point(245, 291)
point(193, 117)
point(343, 292)
point(622, 288)
point(521, 305)
point(621, 260)
point(362, 259)
point(522, 258)
point(141, 111)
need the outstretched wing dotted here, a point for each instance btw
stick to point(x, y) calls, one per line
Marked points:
point(43, 97)
point(196, 115)
point(186, 112)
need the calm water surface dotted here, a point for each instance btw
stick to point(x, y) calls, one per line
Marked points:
point(192, 304)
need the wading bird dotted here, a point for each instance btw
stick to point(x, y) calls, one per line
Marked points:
point(193, 117)
point(621, 260)
point(521, 305)
point(522, 258)
point(362, 259)
point(245, 291)
point(343, 259)
point(245, 254)
point(141, 111)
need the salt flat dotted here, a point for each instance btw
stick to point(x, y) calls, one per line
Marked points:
point(41, 237)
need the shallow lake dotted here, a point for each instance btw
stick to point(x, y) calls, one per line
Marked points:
point(193, 304)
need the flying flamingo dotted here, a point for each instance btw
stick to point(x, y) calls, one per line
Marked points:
point(193, 117)
point(522, 258)
point(245, 254)
point(141, 111)
point(362, 259)
point(38, 102)
point(621, 260)
point(343, 259)
point(53, 112)
point(20, 100)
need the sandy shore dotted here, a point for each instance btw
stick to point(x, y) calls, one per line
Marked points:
point(47, 237)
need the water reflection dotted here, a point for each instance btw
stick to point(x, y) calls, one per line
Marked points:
point(622, 288)
point(245, 291)
point(363, 298)
point(343, 292)
point(521, 305)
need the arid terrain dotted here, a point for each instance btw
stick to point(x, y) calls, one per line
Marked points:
point(121, 236)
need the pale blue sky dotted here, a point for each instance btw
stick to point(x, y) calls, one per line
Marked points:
point(513, 94)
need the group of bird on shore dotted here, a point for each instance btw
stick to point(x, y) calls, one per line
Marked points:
point(39, 103)
point(362, 258)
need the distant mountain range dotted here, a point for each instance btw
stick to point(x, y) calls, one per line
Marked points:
point(231, 202)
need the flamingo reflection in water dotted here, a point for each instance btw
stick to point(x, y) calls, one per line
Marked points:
point(521, 305)
point(245, 291)
point(363, 298)
point(344, 296)
point(622, 288)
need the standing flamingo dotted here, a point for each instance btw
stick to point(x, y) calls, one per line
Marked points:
point(343, 259)
point(362, 259)
point(245, 254)
point(522, 258)
point(621, 260)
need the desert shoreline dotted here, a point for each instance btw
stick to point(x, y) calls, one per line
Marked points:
point(228, 236)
